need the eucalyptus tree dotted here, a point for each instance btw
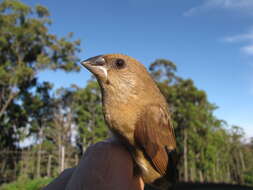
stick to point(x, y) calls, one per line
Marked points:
point(27, 47)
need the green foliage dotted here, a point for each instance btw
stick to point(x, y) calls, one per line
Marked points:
point(89, 116)
point(163, 70)
point(27, 184)
point(208, 151)
point(26, 48)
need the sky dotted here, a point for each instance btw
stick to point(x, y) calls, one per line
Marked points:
point(210, 41)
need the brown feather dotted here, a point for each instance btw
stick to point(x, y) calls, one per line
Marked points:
point(153, 134)
point(137, 114)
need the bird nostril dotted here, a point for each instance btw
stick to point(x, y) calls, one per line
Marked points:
point(99, 62)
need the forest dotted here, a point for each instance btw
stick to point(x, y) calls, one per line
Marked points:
point(60, 124)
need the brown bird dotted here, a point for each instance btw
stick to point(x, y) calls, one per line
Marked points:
point(137, 115)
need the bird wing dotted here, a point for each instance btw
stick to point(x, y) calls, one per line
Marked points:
point(155, 136)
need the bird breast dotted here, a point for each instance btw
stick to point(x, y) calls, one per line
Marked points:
point(121, 120)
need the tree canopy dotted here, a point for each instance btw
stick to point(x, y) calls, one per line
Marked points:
point(27, 47)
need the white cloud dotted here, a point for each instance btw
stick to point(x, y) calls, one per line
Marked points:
point(239, 38)
point(243, 38)
point(241, 5)
point(247, 49)
point(246, 41)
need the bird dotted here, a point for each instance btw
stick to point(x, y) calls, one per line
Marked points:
point(137, 114)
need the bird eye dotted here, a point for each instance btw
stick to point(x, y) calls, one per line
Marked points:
point(120, 63)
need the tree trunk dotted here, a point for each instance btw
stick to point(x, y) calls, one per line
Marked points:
point(185, 157)
point(228, 174)
point(242, 161)
point(21, 162)
point(10, 98)
point(214, 175)
point(3, 165)
point(39, 154)
point(201, 179)
point(76, 159)
point(26, 161)
point(38, 162)
point(192, 174)
point(218, 169)
point(238, 170)
point(62, 158)
point(49, 165)
point(59, 152)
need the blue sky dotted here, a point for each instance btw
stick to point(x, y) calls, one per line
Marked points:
point(211, 41)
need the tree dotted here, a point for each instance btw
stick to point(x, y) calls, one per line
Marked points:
point(88, 114)
point(163, 70)
point(26, 48)
point(63, 127)
point(39, 108)
point(192, 115)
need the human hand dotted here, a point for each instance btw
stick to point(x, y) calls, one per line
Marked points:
point(104, 166)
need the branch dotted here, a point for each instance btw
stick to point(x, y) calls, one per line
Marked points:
point(11, 97)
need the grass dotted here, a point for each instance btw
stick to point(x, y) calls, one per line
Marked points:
point(207, 186)
point(27, 184)
point(38, 184)
point(210, 186)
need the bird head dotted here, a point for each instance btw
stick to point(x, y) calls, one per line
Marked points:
point(117, 71)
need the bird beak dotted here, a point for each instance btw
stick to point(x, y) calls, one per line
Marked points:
point(96, 65)
point(93, 61)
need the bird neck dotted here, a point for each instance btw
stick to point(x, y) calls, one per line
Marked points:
point(119, 96)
